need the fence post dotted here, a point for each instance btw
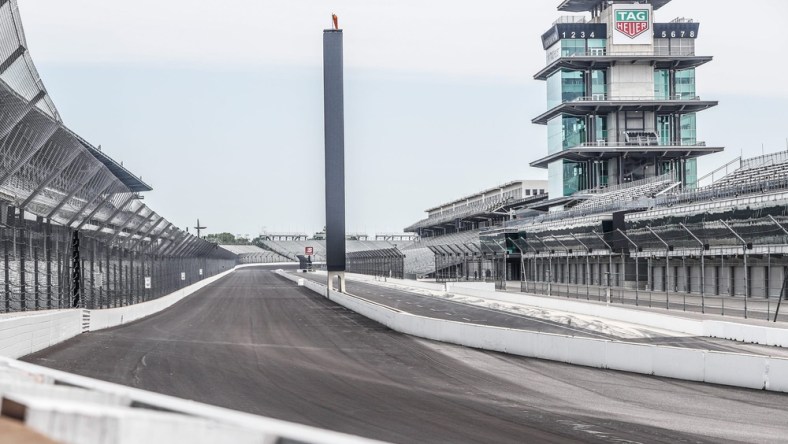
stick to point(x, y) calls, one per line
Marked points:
point(76, 270)
point(702, 269)
point(588, 263)
point(667, 267)
point(637, 268)
point(746, 278)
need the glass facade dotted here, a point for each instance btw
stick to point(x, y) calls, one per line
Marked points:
point(573, 47)
point(600, 129)
point(574, 177)
point(597, 46)
point(598, 84)
point(565, 86)
point(565, 132)
point(691, 173)
point(665, 129)
point(574, 131)
point(685, 84)
point(688, 132)
point(661, 84)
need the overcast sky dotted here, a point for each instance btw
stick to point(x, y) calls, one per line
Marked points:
point(218, 105)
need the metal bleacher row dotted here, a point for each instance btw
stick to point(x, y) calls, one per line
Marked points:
point(250, 254)
point(291, 249)
point(629, 192)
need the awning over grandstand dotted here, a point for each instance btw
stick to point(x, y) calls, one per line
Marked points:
point(579, 154)
point(587, 107)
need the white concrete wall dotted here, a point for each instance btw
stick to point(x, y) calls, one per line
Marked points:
point(25, 333)
point(740, 370)
point(29, 332)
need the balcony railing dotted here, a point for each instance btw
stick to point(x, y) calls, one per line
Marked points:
point(606, 98)
point(649, 142)
point(603, 52)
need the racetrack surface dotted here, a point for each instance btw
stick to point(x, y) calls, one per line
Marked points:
point(256, 342)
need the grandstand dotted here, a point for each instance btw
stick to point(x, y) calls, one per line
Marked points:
point(291, 245)
point(251, 254)
point(625, 215)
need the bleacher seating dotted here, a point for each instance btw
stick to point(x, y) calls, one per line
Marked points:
point(251, 254)
point(419, 262)
point(629, 192)
point(292, 249)
point(753, 173)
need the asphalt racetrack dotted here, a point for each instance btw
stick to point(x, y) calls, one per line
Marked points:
point(256, 342)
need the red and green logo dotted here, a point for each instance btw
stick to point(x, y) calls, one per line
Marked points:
point(632, 22)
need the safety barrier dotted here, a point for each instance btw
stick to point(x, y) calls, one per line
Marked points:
point(25, 333)
point(73, 408)
point(28, 332)
point(740, 370)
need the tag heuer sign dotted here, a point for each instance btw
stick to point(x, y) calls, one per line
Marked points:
point(632, 22)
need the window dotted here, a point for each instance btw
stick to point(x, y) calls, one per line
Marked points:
point(682, 47)
point(688, 132)
point(527, 192)
point(685, 84)
point(574, 131)
point(574, 178)
point(600, 129)
point(665, 129)
point(661, 84)
point(571, 47)
point(598, 84)
point(661, 47)
point(597, 47)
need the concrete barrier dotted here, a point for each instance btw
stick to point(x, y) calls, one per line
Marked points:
point(25, 333)
point(755, 334)
point(28, 332)
point(739, 370)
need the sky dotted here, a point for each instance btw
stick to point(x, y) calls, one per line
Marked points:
point(218, 105)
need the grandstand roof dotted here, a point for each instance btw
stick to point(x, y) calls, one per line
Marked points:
point(602, 153)
point(133, 182)
point(490, 190)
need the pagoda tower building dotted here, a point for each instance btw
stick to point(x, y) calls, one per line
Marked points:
point(621, 96)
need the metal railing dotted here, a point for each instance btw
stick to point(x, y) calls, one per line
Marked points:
point(608, 98)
